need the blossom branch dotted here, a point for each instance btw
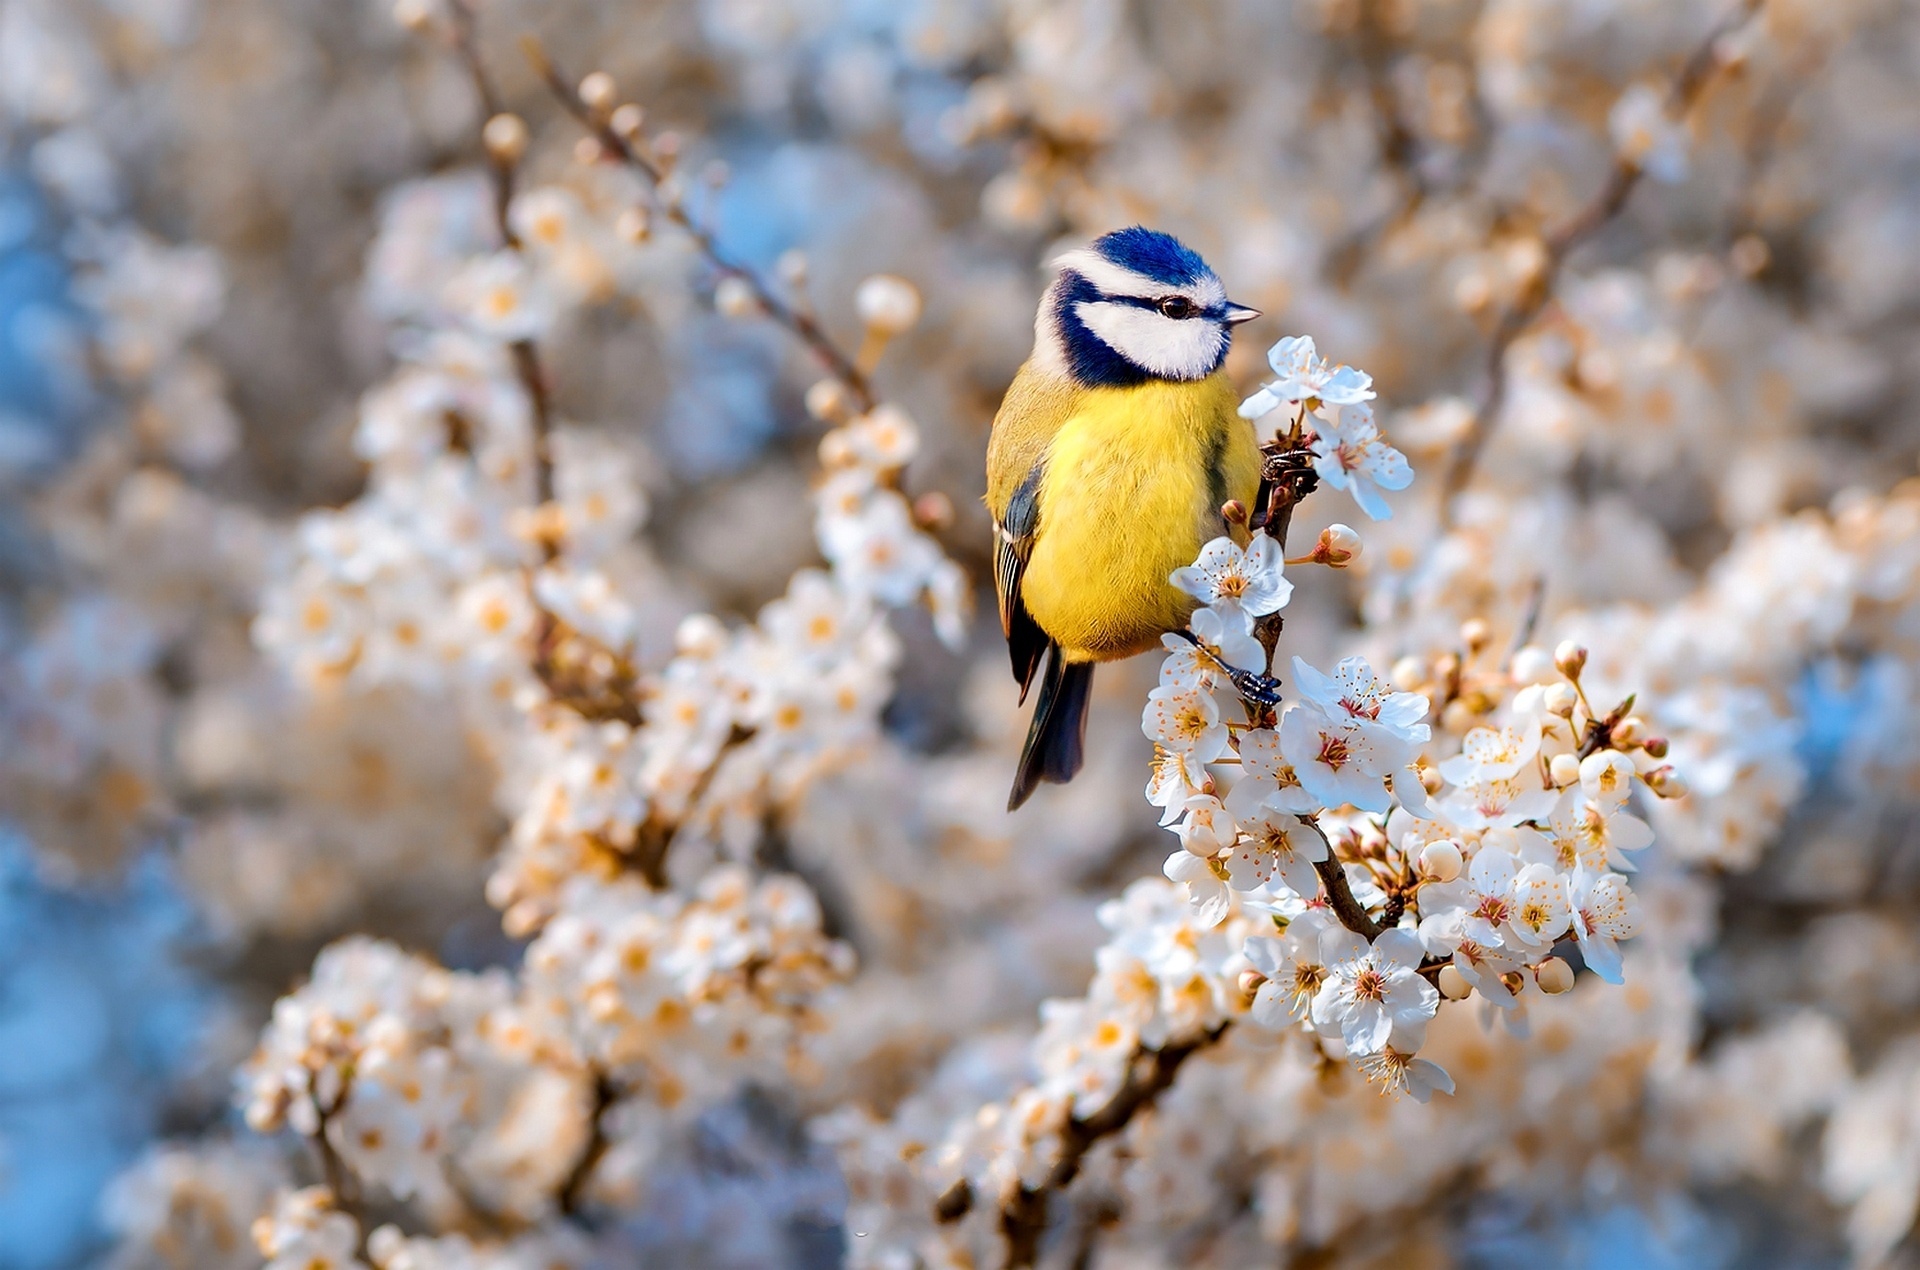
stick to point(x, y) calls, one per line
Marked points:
point(335, 1173)
point(656, 836)
point(1023, 1220)
point(634, 155)
point(573, 1189)
point(502, 166)
point(503, 138)
point(1622, 179)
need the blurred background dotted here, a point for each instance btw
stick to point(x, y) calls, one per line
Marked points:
point(217, 218)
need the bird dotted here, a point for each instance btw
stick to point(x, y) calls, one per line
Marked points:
point(1110, 464)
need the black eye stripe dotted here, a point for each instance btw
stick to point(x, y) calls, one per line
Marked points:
point(1156, 304)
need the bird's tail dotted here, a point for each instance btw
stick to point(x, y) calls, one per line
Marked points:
point(1056, 743)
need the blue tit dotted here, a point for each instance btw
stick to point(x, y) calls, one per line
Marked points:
point(1112, 455)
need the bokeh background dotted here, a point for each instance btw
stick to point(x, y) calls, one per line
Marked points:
point(218, 219)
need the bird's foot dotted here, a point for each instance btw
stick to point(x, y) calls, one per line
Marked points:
point(1261, 690)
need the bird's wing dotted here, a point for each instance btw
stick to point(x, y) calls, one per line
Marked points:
point(1036, 405)
point(1013, 534)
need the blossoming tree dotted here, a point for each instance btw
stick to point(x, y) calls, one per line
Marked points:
point(499, 548)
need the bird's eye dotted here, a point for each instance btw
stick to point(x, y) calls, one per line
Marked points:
point(1177, 306)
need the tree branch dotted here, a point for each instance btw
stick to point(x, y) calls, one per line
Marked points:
point(1024, 1218)
point(1622, 179)
point(335, 1173)
point(572, 1190)
point(1340, 895)
point(800, 323)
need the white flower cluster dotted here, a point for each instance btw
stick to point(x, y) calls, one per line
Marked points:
point(1347, 450)
point(735, 723)
point(431, 1084)
point(685, 996)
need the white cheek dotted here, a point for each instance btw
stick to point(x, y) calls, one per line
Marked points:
point(1163, 346)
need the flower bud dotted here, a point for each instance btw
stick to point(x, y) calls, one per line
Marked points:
point(1476, 633)
point(666, 148)
point(1249, 982)
point(1457, 717)
point(1452, 984)
point(933, 511)
point(1655, 746)
point(1234, 512)
point(888, 304)
point(1629, 729)
point(1564, 770)
point(699, 635)
point(588, 151)
point(792, 267)
point(829, 401)
point(1667, 783)
point(1531, 665)
point(1750, 255)
point(1554, 976)
point(414, 15)
point(1430, 779)
point(597, 92)
point(835, 449)
point(734, 297)
point(505, 137)
point(634, 225)
point(1440, 860)
point(1571, 658)
point(1408, 674)
point(628, 120)
point(1560, 699)
point(1338, 547)
point(1515, 982)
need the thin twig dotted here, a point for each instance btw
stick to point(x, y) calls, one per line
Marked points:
point(1622, 179)
point(656, 837)
point(605, 1094)
point(501, 170)
point(1529, 618)
point(336, 1174)
point(466, 42)
point(796, 320)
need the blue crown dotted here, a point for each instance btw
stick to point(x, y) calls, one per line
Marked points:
point(1152, 254)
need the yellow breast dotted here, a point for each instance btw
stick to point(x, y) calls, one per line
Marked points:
point(1133, 486)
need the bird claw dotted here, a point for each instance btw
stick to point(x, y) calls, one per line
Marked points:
point(1262, 690)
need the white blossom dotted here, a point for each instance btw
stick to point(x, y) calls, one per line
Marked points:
point(1225, 575)
point(1371, 989)
point(1349, 455)
point(1305, 376)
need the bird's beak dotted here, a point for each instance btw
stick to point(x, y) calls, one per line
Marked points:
point(1238, 313)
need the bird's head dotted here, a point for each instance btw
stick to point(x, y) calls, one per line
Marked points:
point(1135, 305)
